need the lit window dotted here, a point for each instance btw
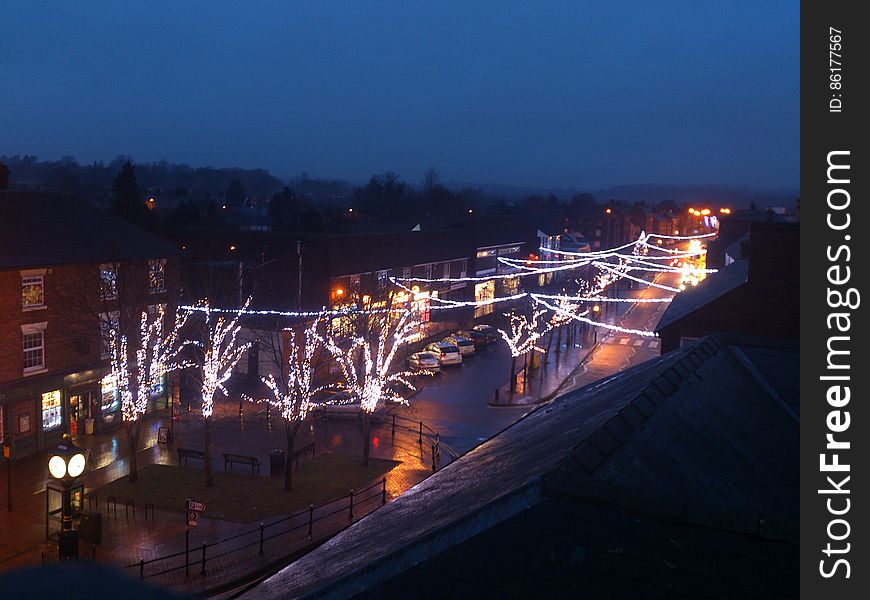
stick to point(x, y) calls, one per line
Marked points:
point(109, 394)
point(52, 417)
point(32, 292)
point(108, 282)
point(156, 276)
point(34, 357)
point(382, 279)
point(157, 387)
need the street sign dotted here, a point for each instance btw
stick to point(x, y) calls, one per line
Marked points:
point(192, 518)
point(195, 506)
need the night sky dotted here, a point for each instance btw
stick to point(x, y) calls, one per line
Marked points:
point(574, 93)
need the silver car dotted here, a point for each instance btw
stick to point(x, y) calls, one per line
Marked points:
point(447, 354)
point(424, 361)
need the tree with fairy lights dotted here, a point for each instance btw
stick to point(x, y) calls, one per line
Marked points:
point(292, 391)
point(367, 360)
point(220, 352)
point(523, 337)
point(137, 368)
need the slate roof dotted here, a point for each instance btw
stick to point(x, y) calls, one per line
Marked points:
point(41, 229)
point(678, 477)
point(713, 287)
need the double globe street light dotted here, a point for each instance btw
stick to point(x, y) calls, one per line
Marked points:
point(66, 464)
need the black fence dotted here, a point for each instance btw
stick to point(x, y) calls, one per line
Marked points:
point(251, 543)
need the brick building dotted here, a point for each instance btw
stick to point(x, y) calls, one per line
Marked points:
point(68, 270)
point(755, 295)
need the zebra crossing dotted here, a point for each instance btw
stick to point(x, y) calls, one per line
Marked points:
point(632, 340)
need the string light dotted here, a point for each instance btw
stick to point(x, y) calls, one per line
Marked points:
point(293, 399)
point(369, 379)
point(524, 333)
point(221, 353)
point(583, 319)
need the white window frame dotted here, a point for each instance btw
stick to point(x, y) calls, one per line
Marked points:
point(33, 277)
point(31, 329)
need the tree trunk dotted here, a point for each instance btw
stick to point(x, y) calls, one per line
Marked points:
point(559, 340)
point(366, 426)
point(133, 436)
point(291, 443)
point(513, 383)
point(209, 477)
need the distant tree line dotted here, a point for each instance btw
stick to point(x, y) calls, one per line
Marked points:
point(206, 198)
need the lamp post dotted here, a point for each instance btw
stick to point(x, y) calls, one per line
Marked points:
point(66, 464)
point(596, 313)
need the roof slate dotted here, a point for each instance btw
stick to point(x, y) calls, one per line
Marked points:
point(713, 287)
point(672, 478)
point(41, 229)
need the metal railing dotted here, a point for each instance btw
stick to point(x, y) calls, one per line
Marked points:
point(244, 542)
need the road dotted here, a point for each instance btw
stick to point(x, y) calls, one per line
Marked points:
point(454, 403)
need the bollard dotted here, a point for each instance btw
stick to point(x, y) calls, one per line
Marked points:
point(310, 520)
point(433, 458)
point(94, 552)
point(187, 552)
point(496, 395)
point(384, 491)
point(394, 425)
point(351, 506)
point(141, 568)
point(202, 572)
point(421, 432)
point(261, 537)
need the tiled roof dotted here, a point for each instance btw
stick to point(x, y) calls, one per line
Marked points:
point(676, 477)
point(42, 229)
point(713, 287)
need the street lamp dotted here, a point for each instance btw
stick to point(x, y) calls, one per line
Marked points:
point(66, 464)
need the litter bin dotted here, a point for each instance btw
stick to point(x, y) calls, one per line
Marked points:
point(276, 463)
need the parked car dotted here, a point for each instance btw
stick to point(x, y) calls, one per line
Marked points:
point(424, 361)
point(480, 339)
point(465, 345)
point(447, 354)
point(489, 331)
point(334, 400)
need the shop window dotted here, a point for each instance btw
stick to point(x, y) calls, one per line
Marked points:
point(32, 292)
point(482, 292)
point(52, 415)
point(110, 397)
point(156, 276)
point(158, 387)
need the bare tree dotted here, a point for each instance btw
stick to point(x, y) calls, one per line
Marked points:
point(367, 359)
point(220, 352)
point(523, 338)
point(292, 390)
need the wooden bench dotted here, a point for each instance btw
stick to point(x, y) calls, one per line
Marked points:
point(185, 453)
point(253, 461)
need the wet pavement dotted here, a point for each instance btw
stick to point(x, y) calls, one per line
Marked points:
point(454, 404)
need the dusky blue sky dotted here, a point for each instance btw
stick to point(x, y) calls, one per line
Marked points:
point(572, 93)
